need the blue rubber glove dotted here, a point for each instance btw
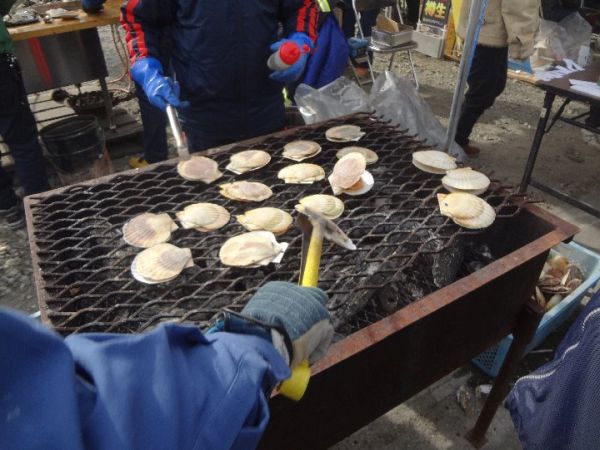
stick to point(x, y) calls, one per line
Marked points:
point(300, 311)
point(295, 71)
point(92, 5)
point(160, 90)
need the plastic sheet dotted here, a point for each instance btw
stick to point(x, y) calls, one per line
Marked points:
point(338, 98)
point(397, 100)
point(392, 98)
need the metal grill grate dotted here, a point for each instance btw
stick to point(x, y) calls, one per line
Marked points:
point(84, 264)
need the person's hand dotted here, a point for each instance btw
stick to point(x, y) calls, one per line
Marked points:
point(294, 72)
point(300, 311)
point(160, 90)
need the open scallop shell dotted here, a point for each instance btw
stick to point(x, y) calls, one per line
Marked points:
point(300, 150)
point(203, 217)
point(344, 133)
point(466, 180)
point(253, 249)
point(247, 161)
point(467, 210)
point(199, 168)
point(433, 161)
point(348, 170)
point(370, 156)
point(362, 186)
point(161, 263)
point(328, 205)
point(302, 173)
point(147, 229)
point(246, 191)
point(274, 220)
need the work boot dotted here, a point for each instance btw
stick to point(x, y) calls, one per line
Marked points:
point(13, 217)
point(137, 162)
point(471, 150)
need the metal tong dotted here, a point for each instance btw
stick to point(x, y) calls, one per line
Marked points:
point(180, 141)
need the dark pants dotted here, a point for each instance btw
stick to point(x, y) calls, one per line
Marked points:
point(487, 80)
point(154, 122)
point(367, 20)
point(17, 127)
point(412, 11)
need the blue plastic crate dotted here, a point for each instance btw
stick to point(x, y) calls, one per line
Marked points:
point(491, 360)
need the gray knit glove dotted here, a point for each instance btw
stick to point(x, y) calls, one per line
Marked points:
point(300, 311)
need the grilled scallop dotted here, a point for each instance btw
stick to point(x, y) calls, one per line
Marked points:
point(199, 168)
point(161, 263)
point(254, 249)
point(467, 210)
point(246, 191)
point(147, 229)
point(301, 173)
point(328, 205)
point(362, 186)
point(433, 161)
point(203, 217)
point(344, 133)
point(247, 161)
point(274, 220)
point(466, 180)
point(370, 156)
point(348, 170)
point(301, 150)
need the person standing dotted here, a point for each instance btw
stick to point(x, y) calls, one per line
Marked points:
point(509, 28)
point(19, 131)
point(218, 52)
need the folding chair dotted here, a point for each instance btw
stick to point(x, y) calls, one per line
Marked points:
point(365, 5)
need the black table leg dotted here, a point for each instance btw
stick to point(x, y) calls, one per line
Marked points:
point(537, 140)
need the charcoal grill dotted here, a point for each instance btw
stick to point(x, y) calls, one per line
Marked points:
point(81, 268)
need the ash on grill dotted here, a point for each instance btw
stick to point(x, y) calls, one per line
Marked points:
point(406, 249)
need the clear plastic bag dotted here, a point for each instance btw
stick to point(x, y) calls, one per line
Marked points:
point(397, 100)
point(562, 40)
point(338, 98)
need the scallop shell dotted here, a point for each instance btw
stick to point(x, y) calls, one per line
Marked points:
point(147, 229)
point(246, 191)
point(328, 205)
point(433, 161)
point(301, 150)
point(370, 156)
point(301, 173)
point(362, 186)
point(163, 262)
point(199, 168)
point(344, 133)
point(253, 249)
point(248, 160)
point(274, 220)
point(347, 171)
point(466, 180)
point(467, 210)
point(203, 216)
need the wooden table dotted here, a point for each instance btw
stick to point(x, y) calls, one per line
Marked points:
point(108, 16)
point(560, 87)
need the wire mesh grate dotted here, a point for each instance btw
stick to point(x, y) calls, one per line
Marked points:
point(85, 264)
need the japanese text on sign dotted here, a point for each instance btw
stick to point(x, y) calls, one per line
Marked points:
point(435, 12)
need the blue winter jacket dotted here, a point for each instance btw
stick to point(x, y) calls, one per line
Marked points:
point(219, 51)
point(172, 388)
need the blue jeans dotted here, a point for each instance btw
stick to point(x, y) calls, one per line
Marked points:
point(18, 128)
point(154, 123)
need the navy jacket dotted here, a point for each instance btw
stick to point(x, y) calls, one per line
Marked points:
point(218, 52)
point(171, 388)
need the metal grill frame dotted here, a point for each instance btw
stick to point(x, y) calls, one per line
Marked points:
point(393, 225)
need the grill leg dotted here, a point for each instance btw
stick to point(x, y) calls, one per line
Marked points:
point(526, 327)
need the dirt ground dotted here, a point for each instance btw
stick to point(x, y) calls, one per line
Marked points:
point(505, 133)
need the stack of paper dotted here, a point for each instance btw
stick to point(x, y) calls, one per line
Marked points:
point(585, 87)
point(547, 74)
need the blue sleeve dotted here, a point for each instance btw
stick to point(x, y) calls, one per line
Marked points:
point(144, 22)
point(170, 388)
